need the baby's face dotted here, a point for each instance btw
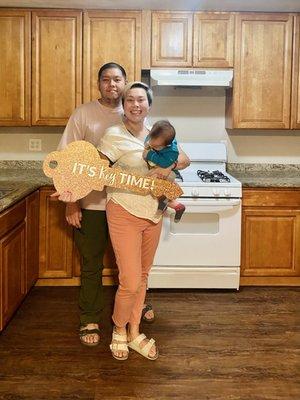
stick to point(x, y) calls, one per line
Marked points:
point(156, 143)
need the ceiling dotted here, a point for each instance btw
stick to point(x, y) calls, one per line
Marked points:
point(201, 5)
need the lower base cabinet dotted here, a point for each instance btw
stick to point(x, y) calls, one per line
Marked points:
point(58, 255)
point(270, 237)
point(12, 260)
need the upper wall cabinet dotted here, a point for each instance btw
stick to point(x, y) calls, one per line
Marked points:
point(295, 115)
point(15, 67)
point(56, 73)
point(172, 38)
point(202, 39)
point(213, 40)
point(262, 72)
point(110, 36)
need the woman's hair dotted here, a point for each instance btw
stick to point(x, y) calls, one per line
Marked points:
point(137, 84)
point(109, 66)
point(164, 130)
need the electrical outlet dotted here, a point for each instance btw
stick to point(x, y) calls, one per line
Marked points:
point(35, 144)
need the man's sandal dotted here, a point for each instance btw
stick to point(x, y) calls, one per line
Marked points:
point(144, 351)
point(148, 307)
point(83, 334)
point(118, 343)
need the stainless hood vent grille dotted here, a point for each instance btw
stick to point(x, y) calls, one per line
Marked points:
point(191, 77)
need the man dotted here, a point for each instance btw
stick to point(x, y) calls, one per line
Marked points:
point(89, 122)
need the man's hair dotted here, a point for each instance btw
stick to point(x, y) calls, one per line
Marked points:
point(137, 84)
point(109, 66)
point(163, 129)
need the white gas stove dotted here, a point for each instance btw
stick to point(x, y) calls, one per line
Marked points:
point(203, 249)
point(206, 176)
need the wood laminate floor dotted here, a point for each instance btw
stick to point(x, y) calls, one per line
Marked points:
point(214, 345)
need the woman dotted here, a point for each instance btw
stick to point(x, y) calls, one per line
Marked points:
point(134, 223)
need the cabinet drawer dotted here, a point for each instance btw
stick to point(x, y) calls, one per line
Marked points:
point(12, 216)
point(271, 197)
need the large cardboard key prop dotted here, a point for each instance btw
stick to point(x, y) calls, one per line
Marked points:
point(79, 169)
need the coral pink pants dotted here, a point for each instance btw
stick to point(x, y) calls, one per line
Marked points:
point(134, 241)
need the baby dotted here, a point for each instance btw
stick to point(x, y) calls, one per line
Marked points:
point(161, 150)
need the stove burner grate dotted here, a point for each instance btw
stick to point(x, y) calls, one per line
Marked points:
point(212, 176)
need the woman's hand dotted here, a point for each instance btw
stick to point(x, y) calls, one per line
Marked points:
point(66, 197)
point(161, 173)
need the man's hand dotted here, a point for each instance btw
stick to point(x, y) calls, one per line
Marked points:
point(161, 173)
point(73, 214)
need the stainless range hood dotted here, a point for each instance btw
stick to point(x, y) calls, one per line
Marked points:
point(191, 77)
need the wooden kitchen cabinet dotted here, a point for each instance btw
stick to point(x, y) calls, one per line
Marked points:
point(32, 239)
point(295, 109)
point(172, 39)
point(110, 36)
point(213, 40)
point(270, 237)
point(12, 260)
point(15, 70)
point(56, 65)
point(261, 94)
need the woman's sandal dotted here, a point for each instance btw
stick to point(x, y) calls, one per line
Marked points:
point(83, 334)
point(144, 351)
point(118, 343)
point(148, 307)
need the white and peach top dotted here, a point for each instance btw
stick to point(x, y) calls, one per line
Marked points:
point(125, 151)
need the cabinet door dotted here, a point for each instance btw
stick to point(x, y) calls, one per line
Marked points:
point(270, 244)
point(32, 239)
point(262, 72)
point(55, 235)
point(12, 272)
point(213, 40)
point(15, 71)
point(172, 39)
point(295, 117)
point(56, 86)
point(110, 37)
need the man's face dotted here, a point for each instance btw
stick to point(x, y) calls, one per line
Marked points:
point(111, 84)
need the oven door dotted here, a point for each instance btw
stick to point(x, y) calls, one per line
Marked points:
point(208, 234)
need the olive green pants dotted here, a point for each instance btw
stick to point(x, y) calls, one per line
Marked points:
point(91, 240)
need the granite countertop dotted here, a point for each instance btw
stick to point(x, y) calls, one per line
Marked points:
point(266, 175)
point(18, 179)
point(24, 177)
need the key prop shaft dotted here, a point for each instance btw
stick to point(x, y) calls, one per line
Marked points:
point(79, 169)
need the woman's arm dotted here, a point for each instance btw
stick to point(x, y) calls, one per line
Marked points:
point(183, 160)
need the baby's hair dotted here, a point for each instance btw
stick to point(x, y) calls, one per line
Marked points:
point(163, 129)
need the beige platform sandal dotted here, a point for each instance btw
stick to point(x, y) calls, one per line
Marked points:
point(144, 351)
point(118, 343)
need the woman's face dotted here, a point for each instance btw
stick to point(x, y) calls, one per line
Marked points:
point(136, 106)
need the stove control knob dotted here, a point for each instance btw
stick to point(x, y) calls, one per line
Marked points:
point(216, 192)
point(195, 192)
point(227, 192)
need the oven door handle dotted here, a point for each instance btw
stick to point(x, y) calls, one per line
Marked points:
point(211, 207)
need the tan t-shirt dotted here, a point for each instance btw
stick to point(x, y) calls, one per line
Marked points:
point(126, 151)
point(89, 122)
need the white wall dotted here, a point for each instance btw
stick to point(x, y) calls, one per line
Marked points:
point(197, 114)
